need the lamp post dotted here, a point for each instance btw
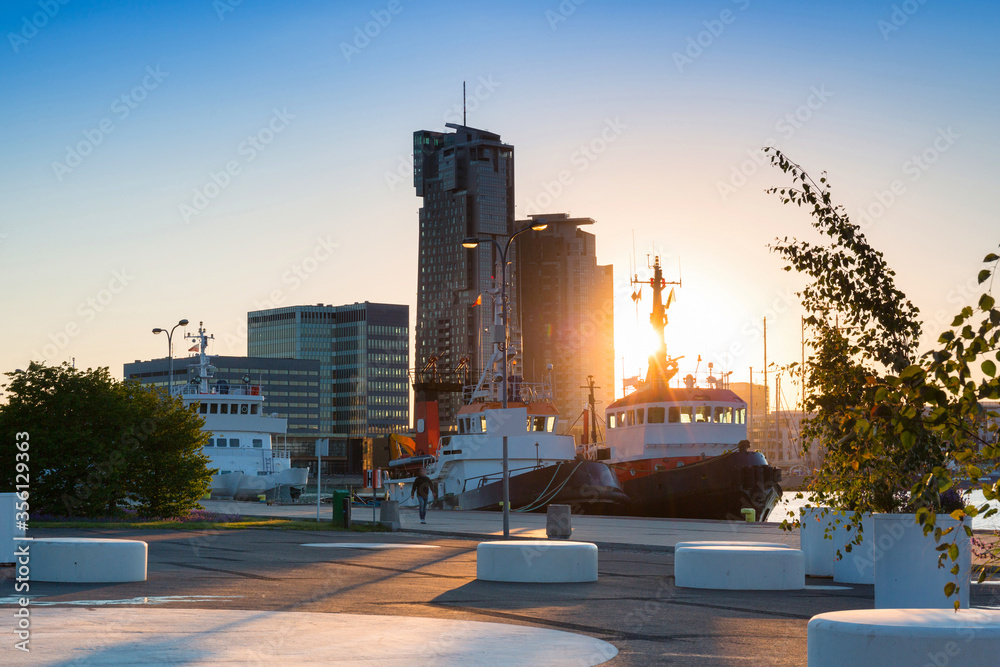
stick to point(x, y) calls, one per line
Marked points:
point(170, 351)
point(470, 243)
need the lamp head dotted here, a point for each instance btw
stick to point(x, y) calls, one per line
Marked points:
point(158, 330)
point(539, 226)
point(183, 323)
point(470, 243)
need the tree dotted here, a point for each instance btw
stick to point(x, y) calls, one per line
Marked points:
point(169, 474)
point(900, 434)
point(96, 443)
point(941, 394)
point(866, 329)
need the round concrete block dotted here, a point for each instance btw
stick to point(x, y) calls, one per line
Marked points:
point(891, 637)
point(729, 543)
point(740, 568)
point(536, 561)
point(93, 560)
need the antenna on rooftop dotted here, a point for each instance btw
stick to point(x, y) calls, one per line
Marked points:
point(463, 105)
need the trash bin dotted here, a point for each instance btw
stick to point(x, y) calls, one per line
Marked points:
point(341, 507)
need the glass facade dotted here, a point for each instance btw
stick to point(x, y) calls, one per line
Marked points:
point(466, 181)
point(290, 386)
point(362, 351)
point(567, 315)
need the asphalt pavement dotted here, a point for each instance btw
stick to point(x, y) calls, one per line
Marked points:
point(267, 597)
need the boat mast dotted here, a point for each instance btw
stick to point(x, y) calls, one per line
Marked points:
point(204, 371)
point(661, 367)
point(592, 403)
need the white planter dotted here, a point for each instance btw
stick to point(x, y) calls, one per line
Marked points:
point(857, 565)
point(818, 550)
point(907, 575)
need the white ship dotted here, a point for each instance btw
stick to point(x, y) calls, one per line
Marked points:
point(240, 443)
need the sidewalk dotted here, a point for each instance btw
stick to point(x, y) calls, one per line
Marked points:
point(606, 531)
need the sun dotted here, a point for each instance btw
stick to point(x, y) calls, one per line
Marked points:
point(634, 342)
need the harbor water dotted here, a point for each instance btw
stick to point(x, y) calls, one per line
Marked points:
point(789, 503)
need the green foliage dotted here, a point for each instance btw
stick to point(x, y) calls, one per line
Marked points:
point(98, 446)
point(901, 431)
point(850, 280)
point(865, 327)
point(170, 473)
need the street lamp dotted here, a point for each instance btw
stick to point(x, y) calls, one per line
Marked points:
point(170, 351)
point(470, 243)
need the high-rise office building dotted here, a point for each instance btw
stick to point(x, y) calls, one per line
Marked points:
point(363, 355)
point(567, 314)
point(466, 181)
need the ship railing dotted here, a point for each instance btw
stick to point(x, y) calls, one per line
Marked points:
point(489, 478)
point(517, 391)
point(220, 390)
point(594, 451)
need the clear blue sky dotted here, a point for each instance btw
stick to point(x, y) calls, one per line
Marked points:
point(116, 117)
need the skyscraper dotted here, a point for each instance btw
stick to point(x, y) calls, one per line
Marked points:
point(567, 314)
point(466, 181)
point(363, 355)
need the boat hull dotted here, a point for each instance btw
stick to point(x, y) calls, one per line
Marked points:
point(716, 488)
point(225, 484)
point(587, 487)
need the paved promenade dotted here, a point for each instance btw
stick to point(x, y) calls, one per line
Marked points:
point(604, 531)
point(241, 597)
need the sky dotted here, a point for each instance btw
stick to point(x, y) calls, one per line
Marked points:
point(202, 158)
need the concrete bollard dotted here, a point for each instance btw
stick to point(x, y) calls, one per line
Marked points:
point(558, 522)
point(389, 514)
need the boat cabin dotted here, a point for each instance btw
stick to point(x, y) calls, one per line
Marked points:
point(675, 422)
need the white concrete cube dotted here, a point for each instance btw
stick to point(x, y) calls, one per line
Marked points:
point(819, 551)
point(907, 575)
point(87, 560)
point(856, 566)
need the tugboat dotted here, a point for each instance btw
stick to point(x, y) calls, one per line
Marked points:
point(239, 442)
point(466, 468)
point(682, 452)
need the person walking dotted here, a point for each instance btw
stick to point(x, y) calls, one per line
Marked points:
point(422, 487)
